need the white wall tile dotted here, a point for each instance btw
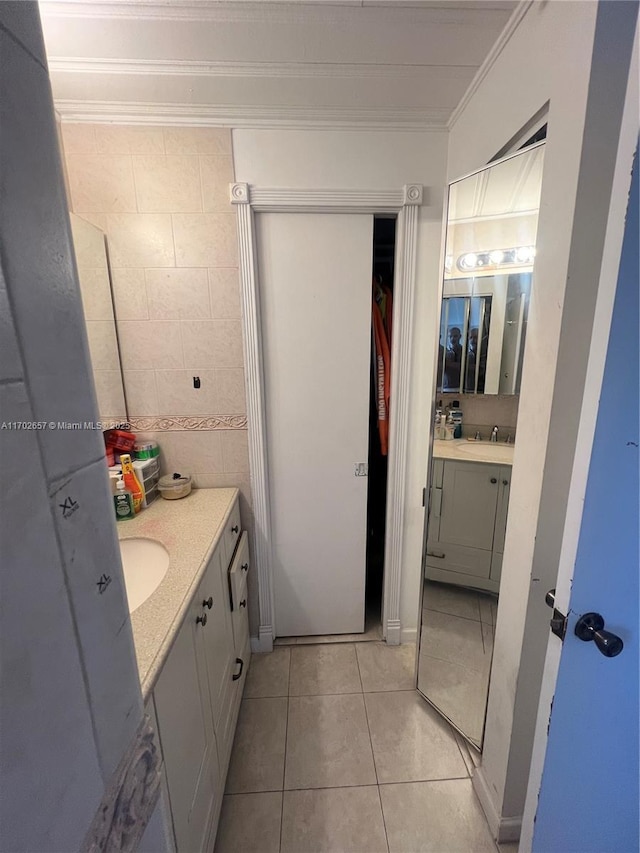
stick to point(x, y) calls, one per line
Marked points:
point(123, 139)
point(79, 138)
point(43, 291)
point(205, 239)
point(217, 174)
point(82, 507)
point(103, 346)
point(140, 240)
point(167, 184)
point(197, 140)
point(145, 345)
point(96, 293)
point(110, 395)
point(177, 396)
point(235, 452)
point(224, 290)
point(101, 183)
point(129, 294)
point(193, 451)
point(142, 394)
point(212, 343)
point(47, 737)
point(178, 294)
point(231, 391)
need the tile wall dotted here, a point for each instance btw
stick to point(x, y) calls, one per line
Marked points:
point(161, 195)
point(484, 411)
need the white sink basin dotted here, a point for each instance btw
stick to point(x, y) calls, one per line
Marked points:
point(145, 563)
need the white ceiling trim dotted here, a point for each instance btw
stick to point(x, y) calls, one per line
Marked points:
point(503, 39)
point(241, 11)
point(228, 68)
point(292, 118)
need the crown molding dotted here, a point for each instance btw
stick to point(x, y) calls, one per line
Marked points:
point(503, 39)
point(293, 118)
point(276, 11)
point(228, 68)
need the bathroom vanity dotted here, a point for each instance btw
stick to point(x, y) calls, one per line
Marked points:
point(469, 498)
point(192, 643)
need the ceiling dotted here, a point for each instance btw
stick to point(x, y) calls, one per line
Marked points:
point(362, 63)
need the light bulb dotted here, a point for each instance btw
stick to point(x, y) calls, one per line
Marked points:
point(496, 257)
point(469, 260)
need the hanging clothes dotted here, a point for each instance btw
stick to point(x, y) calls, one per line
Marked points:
point(381, 322)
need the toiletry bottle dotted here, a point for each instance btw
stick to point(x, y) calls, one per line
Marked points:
point(123, 502)
point(456, 416)
point(131, 481)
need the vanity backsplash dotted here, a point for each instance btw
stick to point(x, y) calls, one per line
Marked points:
point(482, 412)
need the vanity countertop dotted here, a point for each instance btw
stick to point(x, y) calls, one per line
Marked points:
point(497, 453)
point(189, 529)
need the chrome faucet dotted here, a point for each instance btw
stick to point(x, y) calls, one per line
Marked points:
point(509, 439)
point(494, 434)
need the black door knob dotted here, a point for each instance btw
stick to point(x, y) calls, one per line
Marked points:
point(208, 602)
point(590, 627)
point(245, 567)
point(494, 480)
point(201, 620)
point(235, 528)
point(243, 603)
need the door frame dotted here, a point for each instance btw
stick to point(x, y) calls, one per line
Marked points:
point(405, 204)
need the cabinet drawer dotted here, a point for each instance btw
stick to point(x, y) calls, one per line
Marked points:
point(458, 558)
point(231, 533)
point(238, 572)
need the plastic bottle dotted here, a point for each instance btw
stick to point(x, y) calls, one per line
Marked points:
point(131, 481)
point(123, 502)
point(456, 417)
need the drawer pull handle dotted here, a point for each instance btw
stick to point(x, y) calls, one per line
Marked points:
point(235, 528)
point(245, 567)
point(243, 603)
point(208, 602)
point(437, 556)
point(238, 674)
point(202, 620)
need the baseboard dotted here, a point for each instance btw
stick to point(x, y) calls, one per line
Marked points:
point(408, 635)
point(503, 829)
point(264, 643)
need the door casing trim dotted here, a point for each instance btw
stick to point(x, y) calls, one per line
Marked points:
point(405, 203)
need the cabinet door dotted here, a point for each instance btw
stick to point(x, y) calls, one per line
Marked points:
point(186, 733)
point(217, 636)
point(504, 483)
point(469, 500)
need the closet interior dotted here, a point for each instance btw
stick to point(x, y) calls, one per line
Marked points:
point(384, 240)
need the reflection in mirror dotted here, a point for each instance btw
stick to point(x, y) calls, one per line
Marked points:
point(491, 234)
point(490, 248)
point(95, 287)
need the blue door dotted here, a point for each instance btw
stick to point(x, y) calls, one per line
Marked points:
point(589, 795)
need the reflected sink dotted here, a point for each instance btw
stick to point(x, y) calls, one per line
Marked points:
point(490, 451)
point(144, 563)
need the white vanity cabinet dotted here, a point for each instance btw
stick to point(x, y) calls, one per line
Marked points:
point(467, 522)
point(197, 696)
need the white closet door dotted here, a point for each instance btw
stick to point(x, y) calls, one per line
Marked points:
point(315, 294)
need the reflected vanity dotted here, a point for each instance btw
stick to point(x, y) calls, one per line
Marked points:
point(490, 248)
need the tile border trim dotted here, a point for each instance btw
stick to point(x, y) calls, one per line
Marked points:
point(189, 423)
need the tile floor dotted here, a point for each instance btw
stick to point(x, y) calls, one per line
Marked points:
point(456, 649)
point(335, 752)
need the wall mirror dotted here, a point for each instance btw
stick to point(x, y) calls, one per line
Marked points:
point(490, 250)
point(490, 246)
point(92, 260)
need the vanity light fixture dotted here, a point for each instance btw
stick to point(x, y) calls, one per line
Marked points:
point(516, 256)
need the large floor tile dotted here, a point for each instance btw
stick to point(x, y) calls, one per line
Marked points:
point(455, 600)
point(460, 693)
point(257, 757)
point(434, 817)
point(384, 667)
point(334, 820)
point(250, 823)
point(328, 743)
point(324, 669)
point(268, 674)
point(454, 639)
point(410, 740)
